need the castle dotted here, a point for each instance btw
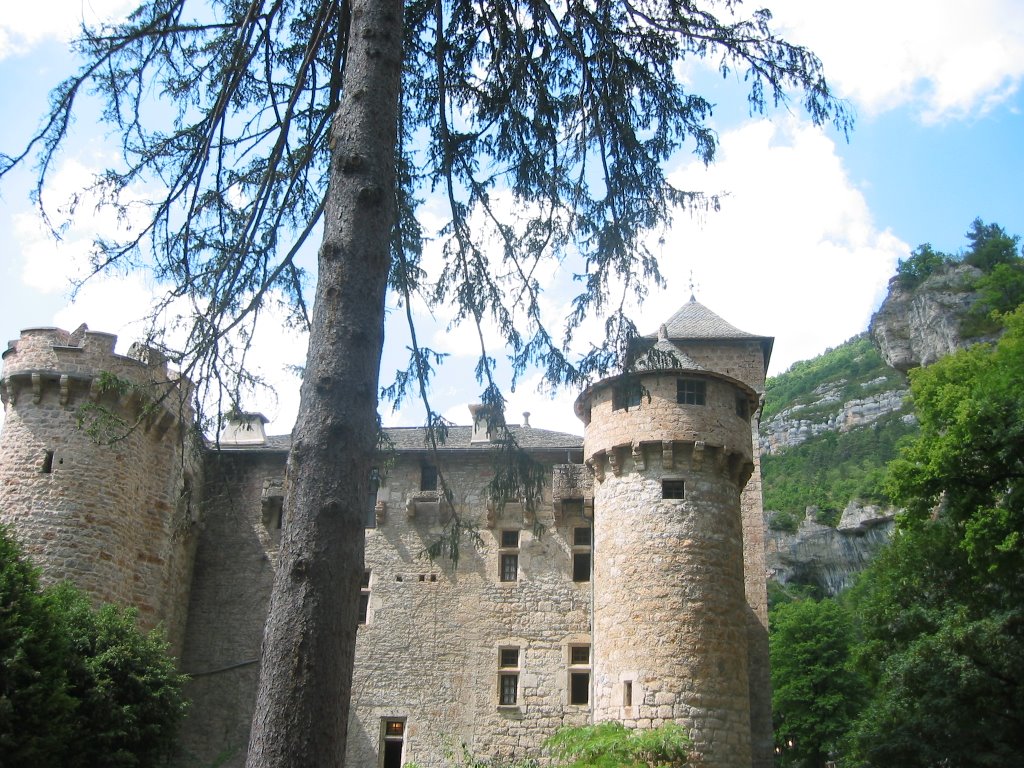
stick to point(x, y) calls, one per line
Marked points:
point(634, 592)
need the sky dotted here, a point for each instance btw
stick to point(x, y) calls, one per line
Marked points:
point(811, 225)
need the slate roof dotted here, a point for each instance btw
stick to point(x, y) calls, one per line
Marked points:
point(695, 321)
point(414, 439)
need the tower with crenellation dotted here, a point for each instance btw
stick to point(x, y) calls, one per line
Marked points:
point(112, 508)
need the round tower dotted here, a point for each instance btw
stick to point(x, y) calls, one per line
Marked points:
point(671, 450)
point(98, 467)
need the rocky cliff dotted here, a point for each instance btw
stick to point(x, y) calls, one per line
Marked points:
point(825, 557)
point(916, 326)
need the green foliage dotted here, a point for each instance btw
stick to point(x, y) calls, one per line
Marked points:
point(1000, 291)
point(784, 520)
point(815, 690)
point(990, 246)
point(34, 704)
point(848, 368)
point(923, 262)
point(128, 691)
point(830, 470)
point(941, 611)
point(79, 687)
point(613, 745)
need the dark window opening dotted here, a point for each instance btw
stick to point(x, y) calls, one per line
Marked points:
point(579, 688)
point(627, 396)
point(581, 536)
point(581, 566)
point(428, 477)
point(510, 538)
point(672, 489)
point(742, 407)
point(627, 693)
point(572, 507)
point(691, 392)
point(508, 657)
point(508, 685)
point(47, 463)
point(509, 567)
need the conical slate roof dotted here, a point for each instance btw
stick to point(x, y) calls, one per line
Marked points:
point(682, 361)
point(695, 321)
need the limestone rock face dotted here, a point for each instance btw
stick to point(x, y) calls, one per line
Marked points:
point(788, 428)
point(827, 557)
point(917, 326)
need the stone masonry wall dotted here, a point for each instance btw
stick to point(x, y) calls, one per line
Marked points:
point(115, 517)
point(428, 652)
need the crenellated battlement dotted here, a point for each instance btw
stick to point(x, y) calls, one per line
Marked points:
point(74, 368)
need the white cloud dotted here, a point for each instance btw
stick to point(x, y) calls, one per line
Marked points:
point(945, 58)
point(24, 25)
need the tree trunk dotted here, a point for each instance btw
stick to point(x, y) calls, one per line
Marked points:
point(309, 642)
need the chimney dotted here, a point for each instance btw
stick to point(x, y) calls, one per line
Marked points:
point(244, 429)
point(526, 419)
point(485, 423)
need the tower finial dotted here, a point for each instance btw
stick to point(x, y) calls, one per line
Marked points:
point(693, 287)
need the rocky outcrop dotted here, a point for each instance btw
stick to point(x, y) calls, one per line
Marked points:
point(917, 326)
point(787, 428)
point(825, 557)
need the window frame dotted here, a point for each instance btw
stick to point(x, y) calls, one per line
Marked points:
point(673, 488)
point(508, 555)
point(690, 391)
point(508, 675)
point(579, 671)
point(582, 551)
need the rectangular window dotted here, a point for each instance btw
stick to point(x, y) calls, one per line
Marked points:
point(579, 674)
point(627, 396)
point(572, 507)
point(364, 597)
point(508, 556)
point(691, 392)
point(508, 676)
point(581, 552)
point(672, 489)
point(742, 407)
point(509, 567)
point(428, 477)
point(627, 693)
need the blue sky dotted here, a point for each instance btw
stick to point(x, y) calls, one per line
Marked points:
point(808, 235)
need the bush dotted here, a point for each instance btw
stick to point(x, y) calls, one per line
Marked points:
point(79, 687)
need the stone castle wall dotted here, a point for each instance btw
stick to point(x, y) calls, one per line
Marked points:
point(429, 651)
point(115, 512)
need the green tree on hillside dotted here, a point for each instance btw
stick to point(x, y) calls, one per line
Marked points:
point(941, 612)
point(544, 129)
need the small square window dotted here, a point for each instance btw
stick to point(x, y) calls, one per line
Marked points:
point(509, 567)
point(572, 507)
point(581, 536)
point(691, 392)
point(508, 657)
point(672, 489)
point(428, 477)
point(579, 654)
point(394, 728)
point(509, 539)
